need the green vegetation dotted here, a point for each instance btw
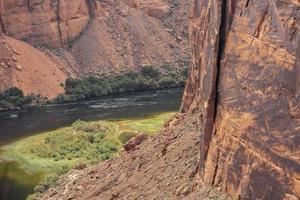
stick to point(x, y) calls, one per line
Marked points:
point(59, 150)
point(147, 78)
point(15, 98)
point(83, 143)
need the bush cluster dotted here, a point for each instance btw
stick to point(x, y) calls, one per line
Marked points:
point(90, 141)
point(14, 98)
point(147, 78)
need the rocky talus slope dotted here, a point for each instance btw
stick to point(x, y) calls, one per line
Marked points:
point(99, 36)
point(160, 168)
point(239, 126)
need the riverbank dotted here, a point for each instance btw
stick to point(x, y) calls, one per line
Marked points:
point(51, 117)
point(14, 99)
point(147, 78)
point(84, 143)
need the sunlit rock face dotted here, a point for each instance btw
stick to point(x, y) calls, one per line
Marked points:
point(244, 86)
point(44, 22)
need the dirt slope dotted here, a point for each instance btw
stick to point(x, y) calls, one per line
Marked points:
point(28, 68)
point(128, 34)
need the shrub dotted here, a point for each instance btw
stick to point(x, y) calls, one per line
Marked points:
point(147, 78)
point(39, 189)
point(34, 196)
point(60, 98)
point(14, 97)
point(167, 82)
point(71, 83)
point(14, 92)
point(91, 138)
point(150, 72)
point(90, 127)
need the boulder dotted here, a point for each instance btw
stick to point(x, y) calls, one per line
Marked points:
point(134, 142)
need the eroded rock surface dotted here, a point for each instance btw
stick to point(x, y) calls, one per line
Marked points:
point(128, 34)
point(244, 88)
point(44, 22)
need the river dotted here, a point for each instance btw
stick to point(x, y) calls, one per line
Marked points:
point(20, 124)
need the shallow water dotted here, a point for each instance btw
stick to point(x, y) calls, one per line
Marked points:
point(15, 183)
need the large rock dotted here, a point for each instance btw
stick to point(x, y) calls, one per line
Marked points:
point(244, 88)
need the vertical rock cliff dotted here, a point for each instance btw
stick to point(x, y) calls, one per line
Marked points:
point(244, 89)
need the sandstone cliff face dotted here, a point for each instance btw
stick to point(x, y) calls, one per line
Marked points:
point(44, 22)
point(244, 88)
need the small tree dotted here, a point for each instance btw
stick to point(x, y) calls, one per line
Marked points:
point(150, 72)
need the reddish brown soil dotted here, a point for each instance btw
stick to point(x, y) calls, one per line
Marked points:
point(29, 69)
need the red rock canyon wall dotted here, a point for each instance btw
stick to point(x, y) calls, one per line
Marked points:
point(244, 87)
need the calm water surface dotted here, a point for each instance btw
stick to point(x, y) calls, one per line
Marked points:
point(38, 120)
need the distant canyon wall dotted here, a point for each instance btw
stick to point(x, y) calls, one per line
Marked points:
point(244, 88)
point(95, 37)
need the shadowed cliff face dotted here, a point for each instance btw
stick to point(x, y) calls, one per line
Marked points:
point(244, 88)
